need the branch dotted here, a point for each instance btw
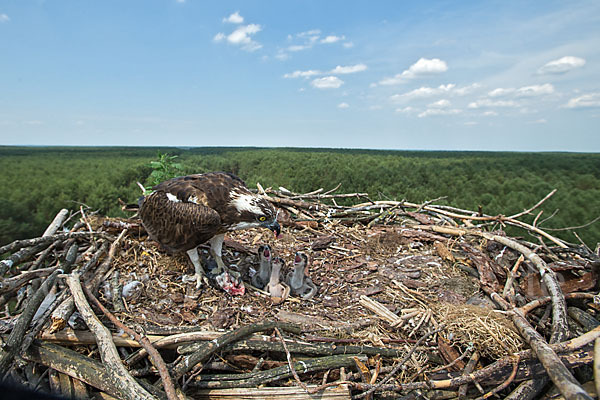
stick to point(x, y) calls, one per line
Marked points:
point(119, 377)
point(155, 356)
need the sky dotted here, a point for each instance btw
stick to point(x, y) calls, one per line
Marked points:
point(420, 75)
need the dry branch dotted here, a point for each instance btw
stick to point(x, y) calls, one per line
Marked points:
point(119, 377)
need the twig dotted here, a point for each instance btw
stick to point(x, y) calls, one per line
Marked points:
point(154, 355)
point(289, 359)
point(401, 363)
point(504, 384)
point(539, 203)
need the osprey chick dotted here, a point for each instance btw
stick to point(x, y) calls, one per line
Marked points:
point(185, 212)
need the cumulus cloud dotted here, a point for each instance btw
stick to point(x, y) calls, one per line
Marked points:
point(492, 103)
point(439, 111)
point(4, 18)
point(234, 18)
point(348, 69)
point(242, 37)
point(425, 91)
point(562, 65)
point(443, 103)
point(422, 67)
point(332, 39)
point(525, 91)
point(339, 70)
point(406, 110)
point(327, 82)
point(535, 90)
point(343, 105)
point(584, 101)
point(501, 92)
point(302, 74)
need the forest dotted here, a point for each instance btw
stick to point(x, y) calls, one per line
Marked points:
point(38, 181)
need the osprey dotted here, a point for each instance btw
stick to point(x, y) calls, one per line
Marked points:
point(185, 212)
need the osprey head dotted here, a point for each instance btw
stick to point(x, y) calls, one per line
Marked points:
point(253, 211)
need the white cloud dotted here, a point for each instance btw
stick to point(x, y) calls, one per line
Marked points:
point(425, 91)
point(539, 121)
point(348, 45)
point(490, 114)
point(298, 47)
point(343, 105)
point(501, 92)
point(492, 103)
point(525, 91)
point(562, 65)
point(332, 39)
point(4, 18)
point(422, 67)
point(302, 74)
point(438, 111)
point(242, 37)
point(535, 90)
point(310, 34)
point(406, 110)
point(327, 82)
point(349, 69)
point(584, 101)
point(443, 103)
point(234, 18)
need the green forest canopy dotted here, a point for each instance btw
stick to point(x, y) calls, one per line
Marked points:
point(38, 181)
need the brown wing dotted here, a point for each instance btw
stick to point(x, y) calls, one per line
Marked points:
point(179, 226)
point(211, 189)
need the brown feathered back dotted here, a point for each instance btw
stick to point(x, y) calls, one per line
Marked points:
point(185, 212)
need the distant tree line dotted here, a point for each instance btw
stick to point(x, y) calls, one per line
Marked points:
point(38, 181)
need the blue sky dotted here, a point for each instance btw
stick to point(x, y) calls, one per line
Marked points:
point(469, 75)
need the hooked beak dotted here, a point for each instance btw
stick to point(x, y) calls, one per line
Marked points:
point(275, 228)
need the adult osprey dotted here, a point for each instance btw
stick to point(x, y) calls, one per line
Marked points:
point(185, 212)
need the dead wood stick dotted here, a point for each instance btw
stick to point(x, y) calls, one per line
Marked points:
point(78, 366)
point(504, 384)
point(532, 305)
point(558, 373)
point(289, 360)
point(20, 256)
point(13, 343)
point(539, 203)
point(190, 361)
point(56, 222)
point(253, 379)
point(469, 368)
point(119, 377)
point(300, 348)
point(19, 244)
point(401, 363)
point(155, 356)
point(66, 308)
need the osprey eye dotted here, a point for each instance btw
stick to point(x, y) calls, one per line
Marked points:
point(262, 218)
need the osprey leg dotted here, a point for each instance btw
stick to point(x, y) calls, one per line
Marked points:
point(199, 272)
point(216, 248)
